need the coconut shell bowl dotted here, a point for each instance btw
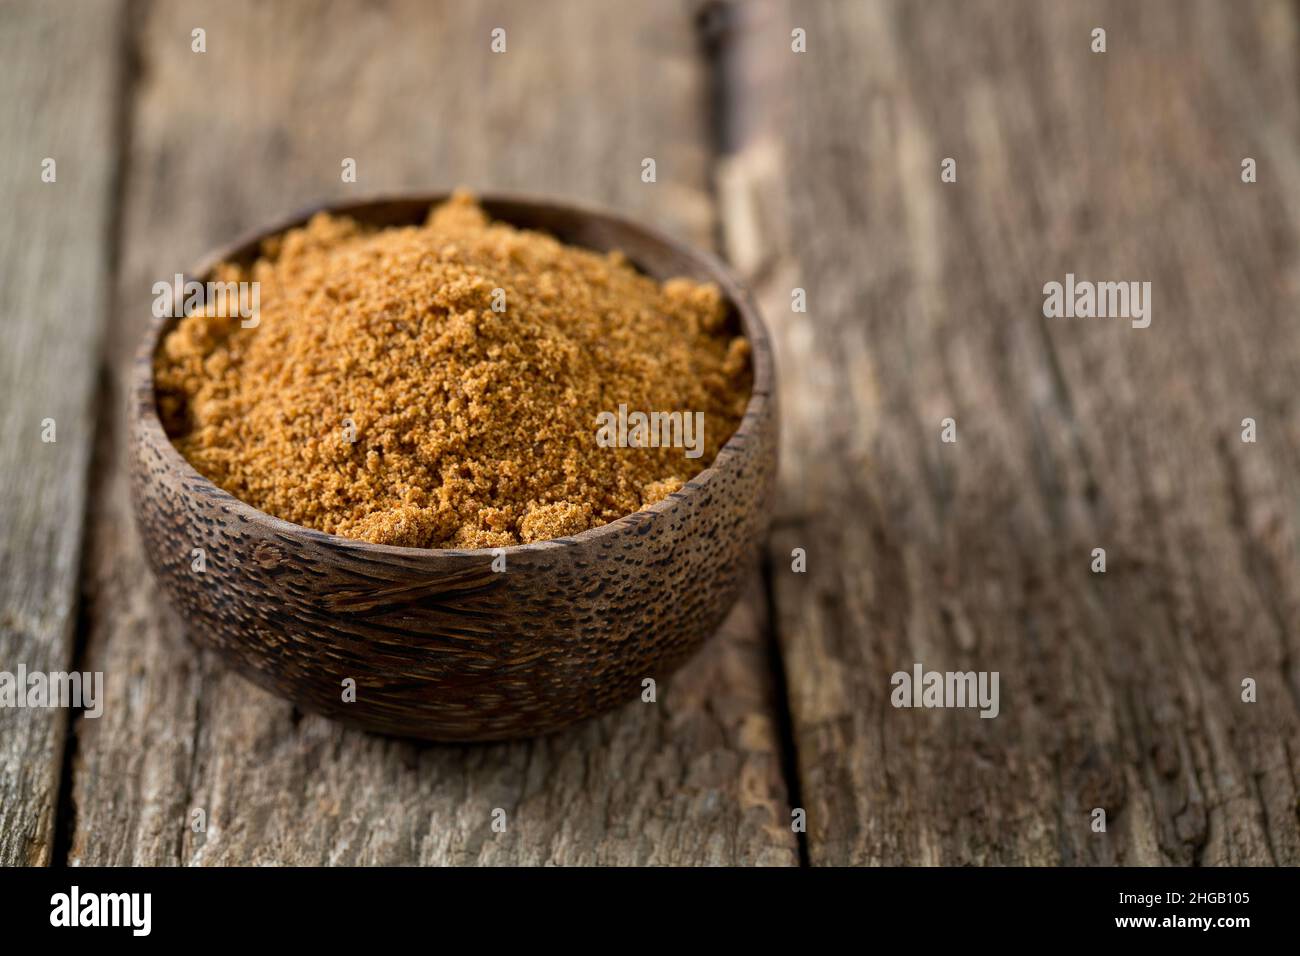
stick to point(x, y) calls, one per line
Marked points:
point(439, 645)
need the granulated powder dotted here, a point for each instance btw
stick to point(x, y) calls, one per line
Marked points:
point(381, 397)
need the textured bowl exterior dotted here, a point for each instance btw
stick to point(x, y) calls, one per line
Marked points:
point(441, 646)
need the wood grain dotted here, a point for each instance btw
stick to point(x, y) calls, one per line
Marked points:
point(224, 141)
point(1118, 690)
point(56, 101)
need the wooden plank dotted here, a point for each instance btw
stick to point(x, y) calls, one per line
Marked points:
point(259, 125)
point(1119, 690)
point(56, 103)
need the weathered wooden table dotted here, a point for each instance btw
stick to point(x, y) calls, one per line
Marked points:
point(817, 170)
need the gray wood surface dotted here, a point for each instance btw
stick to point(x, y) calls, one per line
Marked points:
point(257, 126)
point(57, 103)
point(1119, 690)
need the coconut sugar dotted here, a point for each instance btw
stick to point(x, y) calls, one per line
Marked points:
point(443, 385)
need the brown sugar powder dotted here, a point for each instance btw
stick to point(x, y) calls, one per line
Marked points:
point(381, 396)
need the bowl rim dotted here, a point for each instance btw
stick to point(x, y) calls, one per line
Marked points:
point(145, 421)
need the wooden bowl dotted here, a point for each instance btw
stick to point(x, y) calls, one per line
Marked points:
point(439, 645)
